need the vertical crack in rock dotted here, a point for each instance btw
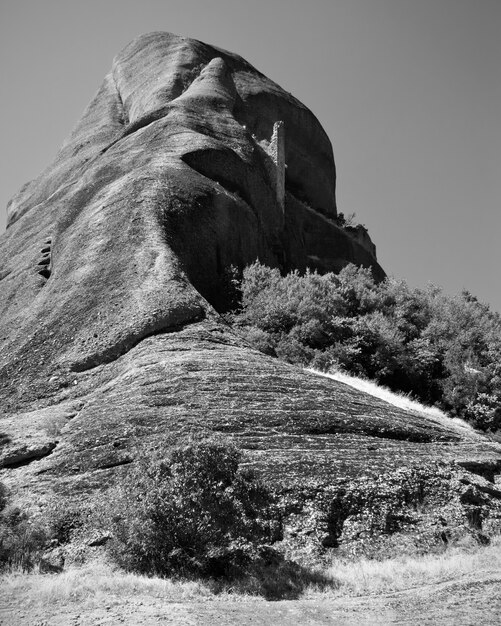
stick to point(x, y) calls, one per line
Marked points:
point(125, 119)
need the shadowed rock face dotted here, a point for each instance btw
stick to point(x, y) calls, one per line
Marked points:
point(112, 271)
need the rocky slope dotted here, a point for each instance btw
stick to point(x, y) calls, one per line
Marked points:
point(112, 273)
point(352, 470)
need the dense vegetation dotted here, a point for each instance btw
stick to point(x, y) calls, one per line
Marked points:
point(21, 541)
point(443, 350)
point(26, 537)
point(193, 513)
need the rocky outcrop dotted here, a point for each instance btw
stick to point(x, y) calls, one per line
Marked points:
point(352, 471)
point(113, 272)
point(187, 161)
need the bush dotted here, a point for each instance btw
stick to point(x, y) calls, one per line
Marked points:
point(277, 304)
point(485, 411)
point(22, 540)
point(194, 513)
point(260, 340)
point(64, 520)
point(441, 349)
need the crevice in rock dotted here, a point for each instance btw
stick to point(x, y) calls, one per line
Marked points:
point(191, 75)
point(152, 116)
point(216, 165)
point(4, 439)
point(485, 469)
point(396, 435)
point(118, 463)
point(125, 119)
point(491, 491)
point(20, 458)
point(298, 197)
point(139, 124)
point(5, 273)
point(144, 121)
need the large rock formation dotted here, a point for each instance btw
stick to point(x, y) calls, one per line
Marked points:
point(112, 274)
point(187, 161)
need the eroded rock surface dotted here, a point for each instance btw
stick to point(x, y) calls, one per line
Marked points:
point(112, 273)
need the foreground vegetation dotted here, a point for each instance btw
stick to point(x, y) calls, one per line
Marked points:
point(100, 580)
point(445, 351)
point(191, 513)
point(196, 518)
point(194, 512)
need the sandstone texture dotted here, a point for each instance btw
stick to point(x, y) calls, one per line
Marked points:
point(113, 272)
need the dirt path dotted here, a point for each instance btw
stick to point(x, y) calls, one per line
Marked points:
point(467, 600)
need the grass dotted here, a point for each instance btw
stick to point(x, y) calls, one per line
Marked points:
point(399, 400)
point(98, 582)
point(95, 584)
point(365, 576)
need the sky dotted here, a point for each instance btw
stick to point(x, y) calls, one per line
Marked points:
point(409, 92)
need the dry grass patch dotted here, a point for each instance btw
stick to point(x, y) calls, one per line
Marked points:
point(399, 400)
point(364, 576)
point(96, 584)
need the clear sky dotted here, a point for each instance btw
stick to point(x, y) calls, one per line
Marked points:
point(409, 92)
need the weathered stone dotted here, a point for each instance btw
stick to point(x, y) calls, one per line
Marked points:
point(52, 562)
point(13, 456)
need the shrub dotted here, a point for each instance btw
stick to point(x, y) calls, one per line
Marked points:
point(291, 350)
point(259, 339)
point(278, 304)
point(441, 349)
point(64, 520)
point(193, 513)
point(22, 540)
point(485, 411)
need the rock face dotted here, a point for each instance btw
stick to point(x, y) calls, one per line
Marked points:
point(112, 274)
point(187, 161)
